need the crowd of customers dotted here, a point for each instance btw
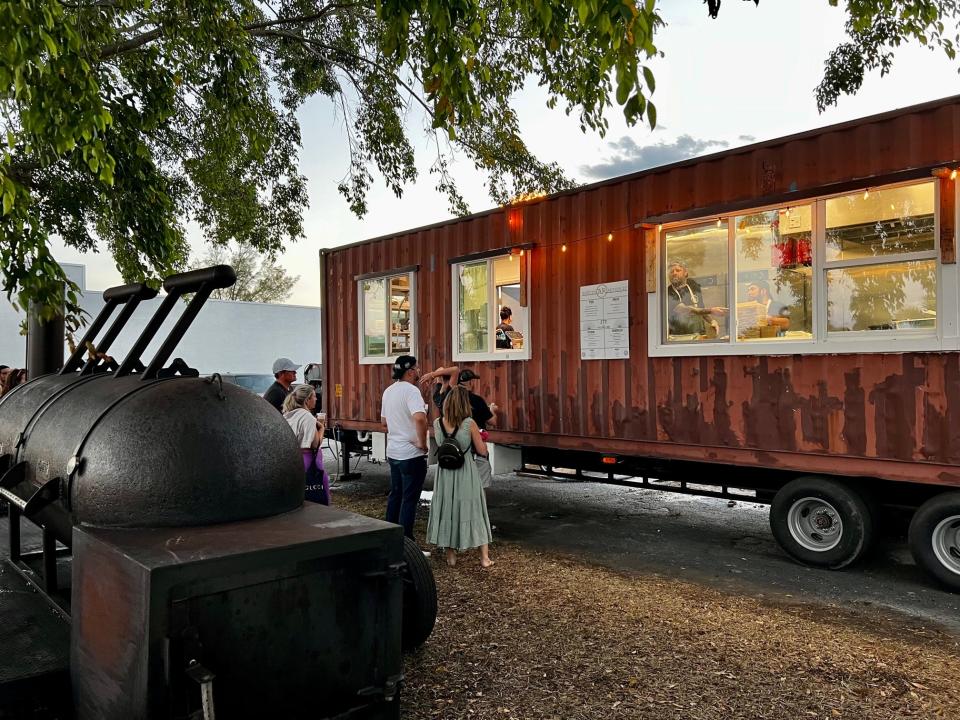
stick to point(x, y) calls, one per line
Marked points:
point(458, 519)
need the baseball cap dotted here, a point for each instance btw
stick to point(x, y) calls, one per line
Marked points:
point(402, 364)
point(467, 375)
point(281, 364)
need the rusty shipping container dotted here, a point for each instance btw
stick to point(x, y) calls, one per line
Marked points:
point(887, 414)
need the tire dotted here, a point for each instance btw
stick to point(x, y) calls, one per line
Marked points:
point(934, 538)
point(821, 522)
point(419, 598)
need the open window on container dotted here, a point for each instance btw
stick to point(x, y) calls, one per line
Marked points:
point(857, 272)
point(491, 318)
point(386, 316)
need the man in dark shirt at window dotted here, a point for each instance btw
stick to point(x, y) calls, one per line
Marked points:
point(686, 314)
point(482, 415)
point(284, 373)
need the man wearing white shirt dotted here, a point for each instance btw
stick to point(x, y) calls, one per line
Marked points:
point(405, 415)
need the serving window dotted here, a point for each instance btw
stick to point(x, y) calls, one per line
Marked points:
point(861, 267)
point(386, 309)
point(491, 316)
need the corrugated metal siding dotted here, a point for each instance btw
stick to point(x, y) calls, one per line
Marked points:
point(890, 407)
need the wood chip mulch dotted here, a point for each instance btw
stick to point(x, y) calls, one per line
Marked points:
point(541, 636)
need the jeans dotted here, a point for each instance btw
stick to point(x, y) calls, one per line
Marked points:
point(406, 482)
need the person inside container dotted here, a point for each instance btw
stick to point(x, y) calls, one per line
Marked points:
point(777, 313)
point(686, 313)
point(506, 325)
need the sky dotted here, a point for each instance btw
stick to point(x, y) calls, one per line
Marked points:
point(745, 77)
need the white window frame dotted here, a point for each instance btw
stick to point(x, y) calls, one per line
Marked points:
point(492, 354)
point(388, 359)
point(946, 335)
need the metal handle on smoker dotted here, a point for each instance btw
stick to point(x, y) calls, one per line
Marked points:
point(127, 295)
point(201, 283)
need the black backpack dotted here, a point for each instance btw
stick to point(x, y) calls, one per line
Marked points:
point(449, 454)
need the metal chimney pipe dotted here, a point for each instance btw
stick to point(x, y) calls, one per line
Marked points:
point(44, 342)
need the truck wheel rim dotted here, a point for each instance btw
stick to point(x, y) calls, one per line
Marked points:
point(815, 524)
point(946, 543)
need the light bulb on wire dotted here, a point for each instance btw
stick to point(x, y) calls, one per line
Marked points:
point(563, 248)
point(610, 237)
point(953, 174)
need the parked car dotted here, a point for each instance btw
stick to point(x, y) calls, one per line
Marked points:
point(255, 383)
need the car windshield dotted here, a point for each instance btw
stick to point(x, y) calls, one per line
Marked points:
point(254, 383)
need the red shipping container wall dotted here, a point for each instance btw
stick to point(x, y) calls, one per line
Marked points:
point(851, 414)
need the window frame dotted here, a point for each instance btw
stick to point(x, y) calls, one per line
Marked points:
point(492, 354)
point(387, 358)
point(943, 337)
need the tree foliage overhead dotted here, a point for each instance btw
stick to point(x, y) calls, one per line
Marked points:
point(259, 279)
point(123, 120)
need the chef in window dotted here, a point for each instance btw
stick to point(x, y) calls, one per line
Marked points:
point(686, 313)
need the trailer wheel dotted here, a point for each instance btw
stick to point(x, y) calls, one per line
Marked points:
point(821, 522)
point(419, 597)
point(935, 538)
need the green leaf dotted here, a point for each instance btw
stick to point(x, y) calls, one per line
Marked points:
point(648, 78)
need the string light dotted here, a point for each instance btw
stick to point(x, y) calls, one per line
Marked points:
point(521, 252)
point(866, 194)
point(719, 222)
point(610, 237)
point(953, 174)
point(563, 248)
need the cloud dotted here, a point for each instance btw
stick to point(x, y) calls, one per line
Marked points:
point(747, 138)
point(628, 157)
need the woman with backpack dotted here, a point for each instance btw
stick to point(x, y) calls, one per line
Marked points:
point(458, 513)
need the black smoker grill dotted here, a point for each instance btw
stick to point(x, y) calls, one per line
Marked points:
point(200, 580)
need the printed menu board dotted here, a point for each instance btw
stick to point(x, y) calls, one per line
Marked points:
point(605, 321)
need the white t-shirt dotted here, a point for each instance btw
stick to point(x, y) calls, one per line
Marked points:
point(304, 426)
point(400, 401)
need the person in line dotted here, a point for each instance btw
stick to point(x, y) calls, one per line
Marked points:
point(4, 371)
point(447, 377)
point(777, 313)
point(686, 314)
point(506, 319)
point(13, 378)
point(285, 374)
point(458, 518)
point(298, 409)
point(404, 412)
point(482, 415)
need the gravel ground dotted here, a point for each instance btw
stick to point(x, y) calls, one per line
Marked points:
point(542, 635)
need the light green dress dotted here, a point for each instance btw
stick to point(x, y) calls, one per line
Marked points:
point(458, 511)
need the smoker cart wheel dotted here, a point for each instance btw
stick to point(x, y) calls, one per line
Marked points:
point(935, 538)
point(419, 597)
point(822, 522)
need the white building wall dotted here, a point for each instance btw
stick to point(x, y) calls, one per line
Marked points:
point(227, 336)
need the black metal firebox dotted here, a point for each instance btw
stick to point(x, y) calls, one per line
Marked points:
point(200, 580)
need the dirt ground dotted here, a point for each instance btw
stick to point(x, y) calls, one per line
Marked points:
point(543, 636)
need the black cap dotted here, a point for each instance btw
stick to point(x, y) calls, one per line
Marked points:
point(467, 375)
point(403, 363)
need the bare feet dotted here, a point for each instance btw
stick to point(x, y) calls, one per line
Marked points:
point(487, 563)
point(451, 557)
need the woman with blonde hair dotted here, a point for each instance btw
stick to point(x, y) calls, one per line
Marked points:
point(458, 513)
point(298, 412)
